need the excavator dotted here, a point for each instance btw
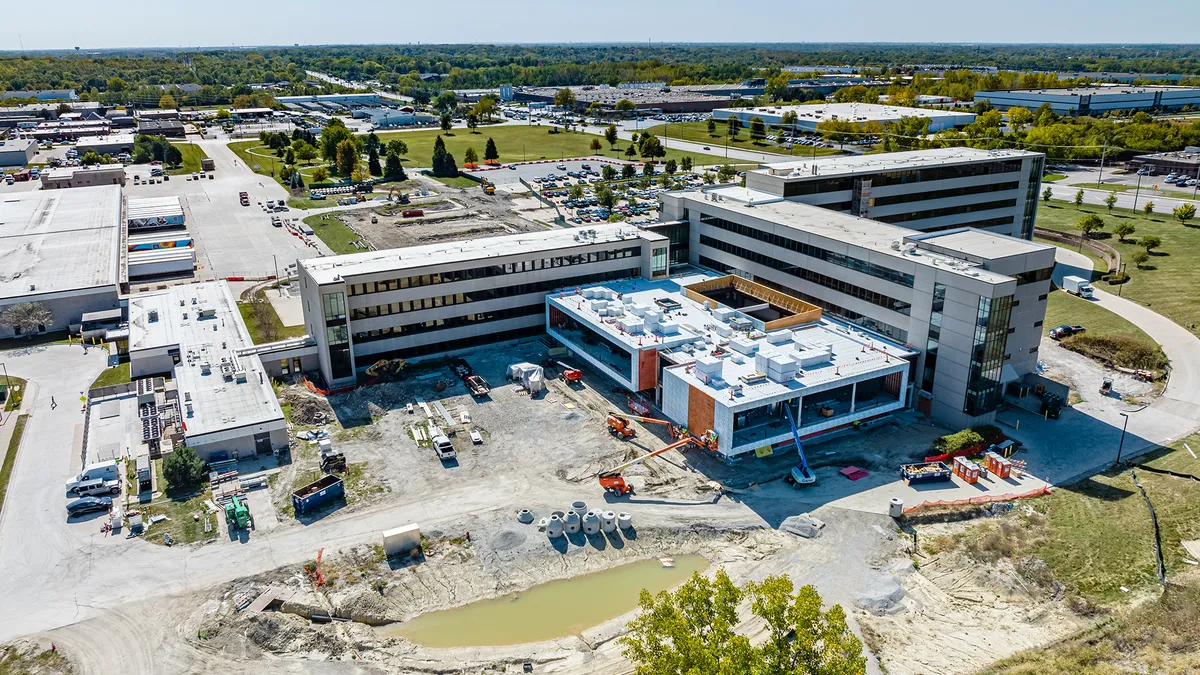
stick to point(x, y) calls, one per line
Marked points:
point(613, 480)
point(489, 188)
point(385, 369)
point(801, 474)
point(618, 425)
point(396, 195)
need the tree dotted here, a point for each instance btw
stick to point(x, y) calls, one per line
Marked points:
point(1123, 229)
point(358, 174)
point(596, 145)
point(610, 136)
point(726, 173)
point(693, 630)
point(758, 130)
point(331, 137)
point(648, 169)
point(1140, 258)
point(1089, 224)
point(89, 158)
point(485, 108)
point(347, 157)
point(472, 122)
point(490, 152)
point(1047, 194)
point(304, 152)
point(393, 168)
point(1184, 212)
point(1079, 197)
point(470, 157)
point(576, 192)
point(373, 167)
point(1149, 242)
point(670, 167)
point(564, 98)
point(173, 155)
point(443, 163)
point(631, 151)
point(1019, 117)
point(607, 172)
point(712, 126)
point(223, 114)
point(605, 197)
point(63, 109)
point(26, 318)
point(446, 121)
point(686, 164)
point(625, 106)
point(1148, 208)
point(320, 174)
point(650, 146)
point(372, 142)
point(789, 119)
point(290, 156)
point(1110, 201)
point(182, 468)
point(628, 171)
point(115, 85)
point(733, 125)
point(445, 101)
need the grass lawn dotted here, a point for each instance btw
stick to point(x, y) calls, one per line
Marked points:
point(456, 182)
point(697, 132)
point(265, 166)
point(181, 510)
point(118, 374)
point(192, 154)
point(334, 232)
point(1170, 282)
point(1111, 187)
point(1051, 177)
point(519, 143)
point(1097, 262)
point(16, 391)
point(266, 327)
point(1062, 307)
point(10, 457)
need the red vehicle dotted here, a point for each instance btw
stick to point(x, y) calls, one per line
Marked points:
point(412, 213)
point(244, 198)
point(21, 175)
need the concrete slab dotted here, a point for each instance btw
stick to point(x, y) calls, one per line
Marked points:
point(289, 308)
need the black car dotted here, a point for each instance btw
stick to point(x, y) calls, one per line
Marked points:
point(1060, 332)
point(88, 505)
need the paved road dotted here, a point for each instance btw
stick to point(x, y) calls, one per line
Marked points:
point(1125, 200)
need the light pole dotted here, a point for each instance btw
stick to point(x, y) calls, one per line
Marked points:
point(1122, 443)
point(1137, 191)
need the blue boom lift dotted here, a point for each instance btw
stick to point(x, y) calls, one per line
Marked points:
point(801, 474)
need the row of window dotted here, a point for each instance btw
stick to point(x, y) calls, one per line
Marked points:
point(905, 198)
point(445, 324)
point(487, 271)
point(453, 345)
point(489, 294)
point(1034, 276)
point(980, 224)
point(809, 275)
point(877, 271)
point(932, 173)
point(946, 211)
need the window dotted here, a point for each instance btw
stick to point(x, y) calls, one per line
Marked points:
point(1033, 350)
point(946, 211)
point(1042, 297)
point(935, 334)
point(1034, 276)
point(1037, 324)
point(658, 263)
point(987, 354)
point(334, 305)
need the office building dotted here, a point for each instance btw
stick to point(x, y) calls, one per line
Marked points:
point(809, 116)
point(62, 251)
point(1097, 99)
point(926, 190)
point(225, 401)
point(1186, 162)
point(727, 355)
point(83, 176)
point(444, 297)
point(972, 302)
point(17, 151)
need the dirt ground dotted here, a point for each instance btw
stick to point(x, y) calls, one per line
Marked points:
point(1084, 376)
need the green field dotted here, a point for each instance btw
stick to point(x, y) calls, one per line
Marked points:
point(697, 132)
point(1064, 308)
point(264, 324)
point(1170, 282)
point(118, 374)
point(262, 161)
point(1052, 177)
point(192, 154)
point(334, 232)
point(517, 143)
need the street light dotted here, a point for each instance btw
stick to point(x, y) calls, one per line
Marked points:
point(1122, 443)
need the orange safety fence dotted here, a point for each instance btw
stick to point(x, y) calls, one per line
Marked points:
point(328, 392)
point(982, 499)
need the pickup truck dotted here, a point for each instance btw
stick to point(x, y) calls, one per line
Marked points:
point(443, 447)
point(93, 488)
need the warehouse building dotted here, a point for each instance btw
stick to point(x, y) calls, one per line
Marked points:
point(42, 94)
point(809, 116)
point(171, 128)
point(61, 250)
point(147, 213)
point(17, 151)
point(1186, 162)
point(69, 131)
point(972, 302)
point(113, 144)
point(927, 190)
point(194, 332)
point(411, 302)
point(382, 118)
point(657, 98)
point(726, 355)
point(1096, 100)
point(83, 176)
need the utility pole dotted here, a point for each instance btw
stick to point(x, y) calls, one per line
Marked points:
point(1137, 191)
point(1122, 443)
point(1102, 156)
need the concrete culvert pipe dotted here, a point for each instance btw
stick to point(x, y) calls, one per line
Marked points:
point(896, 507)
point(579, 508)
point(525, 516)
point(591, 523)
point(608, 521)
point(554, 527)
point(624, 521)
point(571, 522)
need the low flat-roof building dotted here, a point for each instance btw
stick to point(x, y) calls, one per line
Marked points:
point(164, 126)
point(17, 151)
point(83, 176)
point(194, 333)
point(809, 116)
point(731, 354)
point(42, 94)
point(1186, 162)
point(1096, 99)
point(112, 144)
point(658, 97)
point(61, 249)
point(69, 131)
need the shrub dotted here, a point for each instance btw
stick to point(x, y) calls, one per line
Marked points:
point(183, 468)
point(1120, 350)
point(968, 437)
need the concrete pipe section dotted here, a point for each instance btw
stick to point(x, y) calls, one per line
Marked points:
point(525, 516)
point(896, 507)
point(591, 523)
point(624, 521)
point(608, 521)
point(554, 527)
point(579, 508)
point(571, 522)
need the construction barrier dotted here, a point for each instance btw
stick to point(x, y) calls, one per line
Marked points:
point(328, 392)
point(982, 499)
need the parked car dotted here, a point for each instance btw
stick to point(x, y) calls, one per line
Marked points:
point(1060, 332)
point(85, 505)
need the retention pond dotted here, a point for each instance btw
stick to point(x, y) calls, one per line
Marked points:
point(548, 610)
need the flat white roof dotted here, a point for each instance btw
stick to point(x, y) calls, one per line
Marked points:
point(1095, 90)
point(980, 243)
point(110, 139)
point(854, 112)
point(153, 207)
point(59, 240)
point(728, 354)
point(887, 161)
point(203, 321)
point(332, 269)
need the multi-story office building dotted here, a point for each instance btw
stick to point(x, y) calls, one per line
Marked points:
point(970, 301)
point(1096, 100)
point(410, 302)
point(927, 190)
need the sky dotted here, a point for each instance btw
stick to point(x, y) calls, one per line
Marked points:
point(214, 23)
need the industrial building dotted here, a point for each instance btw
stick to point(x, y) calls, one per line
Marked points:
point(972, 302)
point(83, 176)
point(1186, 161)
point(443, 297)
point(157, 245)
point(809, 116)
point(927, 190)
point(160, 123)
point(663, 98)
point(17, 151)
point(725, 355)
point(42, 94)
point(69, 131)
point(193, 332)
point(112, 144)
point(393, 117)
point(336, 101)
point(1097, 99)
point(61, 250)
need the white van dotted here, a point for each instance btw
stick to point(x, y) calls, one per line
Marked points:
point(98, 471)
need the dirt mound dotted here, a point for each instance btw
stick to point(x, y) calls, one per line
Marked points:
point(281, 633)
point(308, 408)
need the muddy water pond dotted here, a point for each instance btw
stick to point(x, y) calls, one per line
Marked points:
point(548, 610)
